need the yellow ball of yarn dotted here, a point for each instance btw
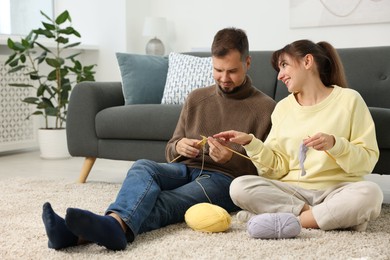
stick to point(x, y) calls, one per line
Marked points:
point(207, 217)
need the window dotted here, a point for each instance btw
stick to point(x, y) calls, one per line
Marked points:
point(18, 17)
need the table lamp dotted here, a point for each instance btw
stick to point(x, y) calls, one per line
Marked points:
point(155, 26)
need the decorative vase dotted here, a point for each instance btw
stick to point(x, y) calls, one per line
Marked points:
point(53, 143)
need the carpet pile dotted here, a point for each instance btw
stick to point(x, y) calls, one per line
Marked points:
point(22, 235)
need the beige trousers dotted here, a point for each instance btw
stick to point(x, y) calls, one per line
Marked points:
point(343, 206)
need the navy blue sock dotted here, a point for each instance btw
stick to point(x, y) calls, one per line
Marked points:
point(103, 230)
point(57, 232)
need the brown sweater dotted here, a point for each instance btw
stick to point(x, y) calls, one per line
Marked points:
point(209, 110)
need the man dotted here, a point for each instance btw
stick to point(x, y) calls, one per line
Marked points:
point(154, 195)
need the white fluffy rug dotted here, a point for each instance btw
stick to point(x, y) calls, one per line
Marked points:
point(22, 235)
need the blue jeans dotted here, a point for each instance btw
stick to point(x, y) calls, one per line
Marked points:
point(154, 195)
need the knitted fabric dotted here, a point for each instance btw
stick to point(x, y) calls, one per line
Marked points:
point(274, 225)
point(302, 157)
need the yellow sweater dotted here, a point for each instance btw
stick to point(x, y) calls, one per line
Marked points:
point(342, 114)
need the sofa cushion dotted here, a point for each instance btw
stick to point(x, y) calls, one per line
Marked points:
point(186, 73)
point(137, 122)
point(143, 77)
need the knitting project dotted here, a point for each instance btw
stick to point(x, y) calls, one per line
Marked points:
point(302, 157)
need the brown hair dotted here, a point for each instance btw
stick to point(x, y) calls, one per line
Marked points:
point(230, 39)
point(329, 65)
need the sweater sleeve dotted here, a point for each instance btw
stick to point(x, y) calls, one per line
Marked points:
point(178, 134)
point(268, 157)
point(358, 155)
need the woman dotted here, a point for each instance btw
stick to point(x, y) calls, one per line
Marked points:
point(329, 124)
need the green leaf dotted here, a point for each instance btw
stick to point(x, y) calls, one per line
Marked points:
point(52, 76)
point(34, 76)
point(47, 102)
point(20, 85)
point(10, 43)
point(37, 113)
point(62, 40)
point(72, 45)
point(51, 111)
point(63, 72)
point(64, 96)
point(25, 43)
point(63, 17)
point(49, 26)
point(23, 58)
point(14, 63)
point(77, 65)
point(45, 15)
point(68, 30)
point(56, 63)
point(67, 86)
point(76, 33)
point(41, 57)
point(17, 68)
point(45, 33)
point(71, 57)
point(89, 68)
point(31, 100)
point(19, 47)
point(10, 58)
point(41, 90)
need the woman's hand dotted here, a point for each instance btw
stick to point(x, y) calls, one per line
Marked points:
point(218, 152)
point(234, 137)
point(320, 142)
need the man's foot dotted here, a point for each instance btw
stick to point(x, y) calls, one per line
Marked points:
point(58, 233)
point(103, 230)
point(274, 225)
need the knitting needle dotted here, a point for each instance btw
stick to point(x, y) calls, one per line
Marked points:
point(327, 153)
point(201, 143)
point(242, 155)
point(334, 159)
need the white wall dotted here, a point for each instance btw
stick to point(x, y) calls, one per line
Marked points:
point(102, 24)
point(116, 26)
point(266, 23)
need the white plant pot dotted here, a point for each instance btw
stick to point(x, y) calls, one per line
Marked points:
point(53, 143)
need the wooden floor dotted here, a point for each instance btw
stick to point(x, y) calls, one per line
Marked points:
point(29, 163)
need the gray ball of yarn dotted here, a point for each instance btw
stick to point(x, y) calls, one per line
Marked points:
point(274, 225)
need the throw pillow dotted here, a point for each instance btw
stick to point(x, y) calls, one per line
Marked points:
point(186, 73)
point(143, 77)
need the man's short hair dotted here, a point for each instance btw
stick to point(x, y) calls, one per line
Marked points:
point(230, 39)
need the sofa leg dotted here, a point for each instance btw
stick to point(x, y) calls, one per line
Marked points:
point(87, 166)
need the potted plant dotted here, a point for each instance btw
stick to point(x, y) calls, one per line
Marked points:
point(53, 72)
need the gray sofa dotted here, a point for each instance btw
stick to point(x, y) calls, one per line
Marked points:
point(99, 125)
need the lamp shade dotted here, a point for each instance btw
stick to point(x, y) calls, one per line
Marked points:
point(155, 26)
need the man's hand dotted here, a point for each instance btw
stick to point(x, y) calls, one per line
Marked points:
point(234, 137)
point(218, 152)
point(188, 147)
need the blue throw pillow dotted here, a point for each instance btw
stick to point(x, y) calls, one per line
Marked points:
point(143, 77)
